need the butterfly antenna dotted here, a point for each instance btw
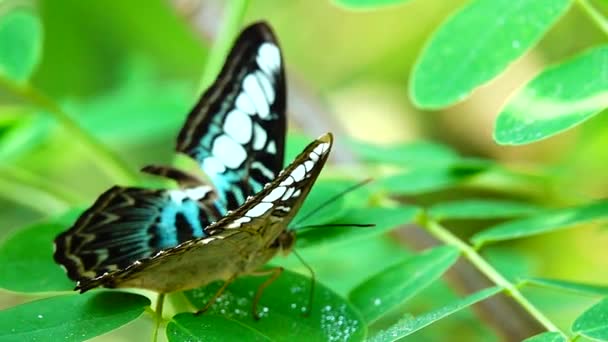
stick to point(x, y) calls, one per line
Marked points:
point(312, 282)
point(346, 225)
point(332, 199)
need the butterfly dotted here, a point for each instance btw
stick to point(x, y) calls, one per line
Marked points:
point(169, 240)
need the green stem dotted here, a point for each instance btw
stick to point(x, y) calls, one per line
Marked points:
point(108, 160)
point(231, 24)
point(160, 301)
point(484, 267)
point(26, 178)
point(595, 15)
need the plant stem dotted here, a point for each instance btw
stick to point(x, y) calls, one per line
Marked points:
point(484, 267)
point(595, 15)
point(113, 165)
point(231, 24)
point(158, 313)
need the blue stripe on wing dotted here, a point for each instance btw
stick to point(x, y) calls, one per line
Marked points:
point(128, 224)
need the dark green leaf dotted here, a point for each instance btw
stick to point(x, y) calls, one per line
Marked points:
point(569, 286)
point(559, 98)
point(70, 317)
point(476, 44)
point(27, 259)
point(593, 323)
point(550, 336)
point(385, 219)
point(188, 327)
point(481, 209)
point(410, 325)
point(20, 44)
point(281, 308)
point(543, 223)
point(398, 283)
point(367, 4)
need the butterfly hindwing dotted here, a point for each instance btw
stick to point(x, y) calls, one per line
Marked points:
point(127, 224)
point(236, 131)
point(240, 242)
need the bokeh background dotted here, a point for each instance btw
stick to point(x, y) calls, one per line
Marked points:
point(128, 72)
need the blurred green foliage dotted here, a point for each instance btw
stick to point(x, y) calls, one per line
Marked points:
point(91, 91)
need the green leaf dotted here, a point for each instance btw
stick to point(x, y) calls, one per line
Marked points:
point(481, 209)
point(281, 308)
point(323, 190)
point(559, 98)
point(27, 259)
point(543, 223)
point(70, 317)
point(188, 327)
point(410, 325)
point(593, 323)
point(424, 180)
point(385, 219)
point(20, 44)
point(476, 44)
point(568, 286)
point(367, 4)
point(398, 283)
point(415, 154)
point(549, 336)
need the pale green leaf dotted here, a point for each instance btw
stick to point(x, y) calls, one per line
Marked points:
point(476, 44)
point(593, 323)
point(559, 98)
point(20, 44)
point(410, 325)
point(543, 223)
point(393, 286)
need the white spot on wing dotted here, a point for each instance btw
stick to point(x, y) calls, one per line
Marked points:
point(322, 148)
point(275, 194)
point(197, 193)
point(269, 58)
point(288, 194)
point(272, 147)
point(287, 181)
point(231, 153)
point(194, 194)
point(238, 125)
point(238, 222)
point(244, 104)
point(259, 209)
point(266, 86)
point(313, 156)
point(299, 173)
point(213, 166)
point(309, 164)
point(259, 137)
point(253, 89)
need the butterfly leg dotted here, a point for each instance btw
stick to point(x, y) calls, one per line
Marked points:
point(274, 274)
point(215, 296)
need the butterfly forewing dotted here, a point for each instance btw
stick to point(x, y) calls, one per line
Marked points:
point(236, 131)
point(239, 243)
point(127, 224)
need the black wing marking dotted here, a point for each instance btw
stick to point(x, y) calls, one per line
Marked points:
point(258, 222)
point(128, 224)
point(236, 131)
